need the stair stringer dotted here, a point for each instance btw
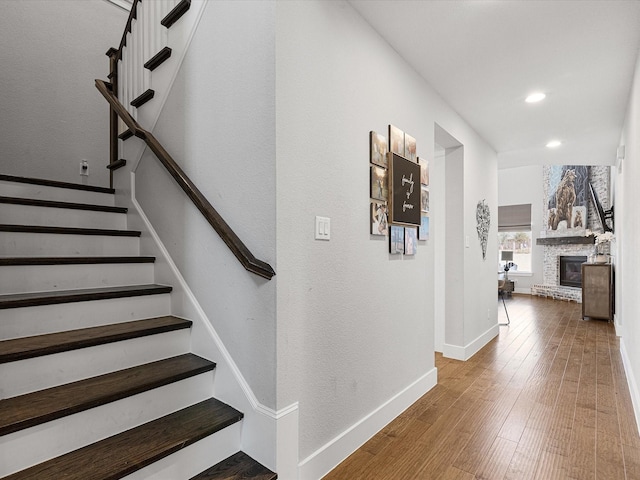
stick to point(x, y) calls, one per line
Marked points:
point(269, 436)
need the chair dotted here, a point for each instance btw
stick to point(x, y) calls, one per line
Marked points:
point(501, 284)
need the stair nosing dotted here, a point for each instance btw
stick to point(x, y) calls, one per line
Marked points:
point(92, 385)
point(35, 261)
point(22, 348)
point(143, 98)
point(68, 230)
point(35, 299)
point(57, 204)
point(55, 183)
point(176, 13)
point(158, 59)
point(119, 444)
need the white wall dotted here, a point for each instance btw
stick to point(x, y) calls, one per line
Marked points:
point(525, 185)
point(52, 114)
point(355, 325)
point(627, 230)
point(218, 124)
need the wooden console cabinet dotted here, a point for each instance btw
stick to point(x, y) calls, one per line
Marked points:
point(597, 291)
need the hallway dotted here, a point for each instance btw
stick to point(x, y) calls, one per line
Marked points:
point(546, 399)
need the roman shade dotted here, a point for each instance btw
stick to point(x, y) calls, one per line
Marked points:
point(514, 218)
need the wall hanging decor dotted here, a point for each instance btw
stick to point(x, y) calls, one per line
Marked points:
point(378, 149)
point(405, 195)
point(379, 185)
point(410, 148)
point(424, 171)
point(396, 140)
point(423, 230)
point(410, 240)
point(567, 200)
point(483, 220)
point(379, 222)
point(396, 240)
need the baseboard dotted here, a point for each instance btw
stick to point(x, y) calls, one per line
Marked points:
point(465, 353)
point(631, 382)
point(326, 458)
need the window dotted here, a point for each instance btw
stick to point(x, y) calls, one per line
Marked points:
point(514, 236)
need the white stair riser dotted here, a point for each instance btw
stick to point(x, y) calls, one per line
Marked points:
point(195, 458)
point(60, 217)
point(33, 374)
point(43, 278)
point(39, 192)
point(37, 444)
point(20, 244)
point(28, 321)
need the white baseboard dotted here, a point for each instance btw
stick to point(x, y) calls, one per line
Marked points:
point(631, 381)
point(465, 353)
point(326, 458)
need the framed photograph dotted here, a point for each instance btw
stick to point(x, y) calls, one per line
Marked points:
point(404, 191)
point(396, 240)
point(424, 171)
point(410, 147)
point(423, 230)
point(379, 183)
point(396, 140)
point(379, 223)
point(424, 197)
point(378, 149)
point(410, 240)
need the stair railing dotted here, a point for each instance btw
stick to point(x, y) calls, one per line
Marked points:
point(127, 85)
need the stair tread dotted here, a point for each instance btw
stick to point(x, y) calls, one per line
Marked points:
point(16, 300)
point(176, 13)
point(39, 345)
point(57, 204)
point(35, 408)
point(55, 183)
point(68, 230)
point(123, 454)
point(238, 466)
point(7, 261)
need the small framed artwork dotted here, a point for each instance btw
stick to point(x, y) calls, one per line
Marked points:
point(410, 147)
point(410, 240)
point(424, 171)
point(379, 186)
point(378, 149)
point(396, 240)
point(423, 230)
point(379, 223)
point(396, 140)
point(404, 189)
point(424, 198)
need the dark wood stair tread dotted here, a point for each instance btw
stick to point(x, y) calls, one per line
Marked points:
point(31, 299)
point(39, 345)
point(117, 164)
point(68, 230)
point(143, 98)
point(8, 261)
point(238, 466)
point(126, 134)
point(127, 452)
point(24, 411)
point(174, 15)
point(158, 59)
point(55, 183)
point(56, 204)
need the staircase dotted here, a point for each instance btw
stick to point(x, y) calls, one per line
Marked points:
point(96, 377)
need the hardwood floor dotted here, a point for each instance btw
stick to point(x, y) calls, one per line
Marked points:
point(546, 399)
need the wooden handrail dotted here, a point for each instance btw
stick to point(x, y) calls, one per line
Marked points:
point(239, 249)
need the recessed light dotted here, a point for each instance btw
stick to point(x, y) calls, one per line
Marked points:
point(535, 97)
point(554, 144)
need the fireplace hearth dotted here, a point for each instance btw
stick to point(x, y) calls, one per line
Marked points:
point(570, 270)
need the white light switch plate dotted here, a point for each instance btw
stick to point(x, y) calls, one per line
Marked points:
point(323, 228)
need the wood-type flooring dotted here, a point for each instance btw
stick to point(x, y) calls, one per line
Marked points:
point(546, 399)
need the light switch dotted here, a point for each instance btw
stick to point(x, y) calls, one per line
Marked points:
point(323, 228)
point(466, 241)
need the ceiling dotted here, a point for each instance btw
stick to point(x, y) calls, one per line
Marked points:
point(485, 56)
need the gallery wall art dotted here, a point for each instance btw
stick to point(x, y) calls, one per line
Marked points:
point(483, 222)
point(567, 200)
point(398, 191)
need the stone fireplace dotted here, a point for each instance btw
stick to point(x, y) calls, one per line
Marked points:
point(571, 246)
